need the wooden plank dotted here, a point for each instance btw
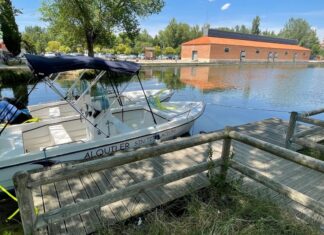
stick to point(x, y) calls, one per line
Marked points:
point(136, 204)
point(51, 202)
point(90, 219)
point(74, 225)
point(135, 170)
point(92, 190)
point(108, 216)
point(289, 192)
point(121, 211)
point(284, 153)
point(38, 203)
point(25, 201)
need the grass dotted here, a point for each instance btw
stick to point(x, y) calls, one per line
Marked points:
point(210, 212)
point(7, 207)
point(313, 152)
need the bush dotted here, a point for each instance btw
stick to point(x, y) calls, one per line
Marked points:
point(9, 76)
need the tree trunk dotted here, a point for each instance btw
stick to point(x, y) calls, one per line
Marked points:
point(90, 44)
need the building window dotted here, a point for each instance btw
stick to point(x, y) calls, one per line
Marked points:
point(226, 49)
point(257, 51)
point(286, 52)
point(304, 54)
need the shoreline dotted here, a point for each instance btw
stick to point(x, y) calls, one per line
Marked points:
point(164, 63)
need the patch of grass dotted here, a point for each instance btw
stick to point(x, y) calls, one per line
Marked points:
point(210, 212)
point(313, 152)
point(7, 207)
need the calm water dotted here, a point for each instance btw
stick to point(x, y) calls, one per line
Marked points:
point(234, 94)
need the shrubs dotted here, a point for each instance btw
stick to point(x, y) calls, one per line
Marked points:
point(10, 76)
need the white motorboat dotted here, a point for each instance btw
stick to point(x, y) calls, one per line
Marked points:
point(98, 130)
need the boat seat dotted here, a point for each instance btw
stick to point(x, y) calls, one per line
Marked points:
point(59, 134)
point(54, 112)
point(120, 126)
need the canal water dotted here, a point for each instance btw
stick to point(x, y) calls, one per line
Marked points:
point(234, 94)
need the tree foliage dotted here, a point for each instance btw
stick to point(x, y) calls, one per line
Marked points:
point(176, 33)
point(256, 26)
point(53, 46)
point(11, 36)
point(301, 30)
point(93, 21)
point(35, 39)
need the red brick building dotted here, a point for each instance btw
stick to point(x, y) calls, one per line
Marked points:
point(2, 46)
point(228, 46)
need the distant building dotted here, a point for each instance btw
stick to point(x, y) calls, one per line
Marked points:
point(219, 45)
point(322, 45)
point(2, 46)
point(149, 53)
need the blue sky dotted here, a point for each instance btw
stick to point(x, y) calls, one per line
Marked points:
point(274, 13)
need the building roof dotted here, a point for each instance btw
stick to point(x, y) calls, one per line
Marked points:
point(246, 36)
point(205, 40)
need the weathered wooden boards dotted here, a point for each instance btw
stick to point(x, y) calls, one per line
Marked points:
point(67, 192)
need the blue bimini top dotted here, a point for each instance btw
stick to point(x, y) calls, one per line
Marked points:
point(44, 66)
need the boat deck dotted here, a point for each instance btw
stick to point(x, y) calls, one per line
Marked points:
point(302, 179)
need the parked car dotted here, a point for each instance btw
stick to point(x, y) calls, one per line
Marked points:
point(110, 56)
point(121, 57)
point(50, 54)
point(141, 56)
point(75, 54)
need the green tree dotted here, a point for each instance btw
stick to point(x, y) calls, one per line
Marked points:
point(64, 49)
point(174, 34)
point(269, 33)
point(256, 26)
point(95, 20)
point(35, 39)
point(169, 51)
point(11, 36)
point(301, 30)
point(53, 46)
point(157, 51)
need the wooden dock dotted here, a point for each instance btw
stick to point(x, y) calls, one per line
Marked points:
point(48, 197)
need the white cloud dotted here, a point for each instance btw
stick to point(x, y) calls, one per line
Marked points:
point(211, 0)
point(225, 6)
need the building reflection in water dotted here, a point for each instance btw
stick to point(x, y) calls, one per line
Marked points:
point(206, 78)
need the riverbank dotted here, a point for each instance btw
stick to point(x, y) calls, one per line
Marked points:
point(190, 63)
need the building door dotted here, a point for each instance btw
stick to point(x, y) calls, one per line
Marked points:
point(295, 57)
point(270, 57)
point(275, 57)
point(194, 55)
point(242, 55)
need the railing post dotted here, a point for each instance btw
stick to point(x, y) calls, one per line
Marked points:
point(25, 201)
point(226, 151)
point(291, 129)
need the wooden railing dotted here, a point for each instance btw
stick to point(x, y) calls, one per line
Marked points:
point(296, 138)
point(25, 182)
